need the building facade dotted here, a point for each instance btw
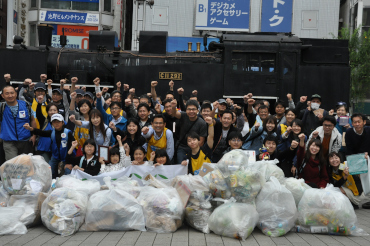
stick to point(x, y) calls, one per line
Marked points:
point(3, 23)
point(75, 17)
point(305, 19)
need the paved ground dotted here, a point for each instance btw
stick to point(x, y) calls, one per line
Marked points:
point(184, 237)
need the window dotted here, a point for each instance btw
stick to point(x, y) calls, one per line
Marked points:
point(33, 35)
point(107, 5)
point(366, 20)
point(70, 5)
point(253, 62)
point(33, 3)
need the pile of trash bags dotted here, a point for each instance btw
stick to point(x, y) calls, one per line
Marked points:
point(327, 211)
point(64, 210)
point(26, 181)
point(276, 208)
point(230, 200)
point(233, 219)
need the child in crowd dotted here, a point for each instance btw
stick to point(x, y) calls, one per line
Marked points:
point(160, 157)
point(235, 140)
point(87, 163)
point(61, 141)
point(118, 157)
point(199, 154)
point(139, 157)
point(311, 164)
point(342, 179)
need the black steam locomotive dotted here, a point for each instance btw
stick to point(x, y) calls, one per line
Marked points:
point(267, 65)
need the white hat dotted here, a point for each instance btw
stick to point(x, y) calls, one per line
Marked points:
point(57, 117)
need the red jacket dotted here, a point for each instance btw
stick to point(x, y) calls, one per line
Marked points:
point(311, 172)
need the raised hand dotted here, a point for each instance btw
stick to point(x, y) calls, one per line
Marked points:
point(180, 91)
point(154, 83)
point(74, 144)
point(145, 130)
point(294, 144)
point(209, 120)
point(72, 118)
point(74, 80)
point(96, 81)
point(302, 99)
point(289, 97)
point(174, 103)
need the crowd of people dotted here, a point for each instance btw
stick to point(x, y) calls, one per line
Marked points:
point(68, 125)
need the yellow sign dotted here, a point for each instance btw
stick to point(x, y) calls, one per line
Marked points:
point(170, 75)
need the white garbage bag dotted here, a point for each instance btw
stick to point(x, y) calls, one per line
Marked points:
point(327, 211)
point(115, 210)
point(89, 186)
point(10, 221)
point(297, 187)
point(276, 208)
point(232, 219)
point(64, 210)
point(163, 209)
point(26, 174)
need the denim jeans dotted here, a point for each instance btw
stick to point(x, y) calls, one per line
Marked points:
point(54, 166)
point(181, 153)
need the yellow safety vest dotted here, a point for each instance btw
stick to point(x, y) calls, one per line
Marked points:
point(156, 144)
point(350, 183)
point(43, 111)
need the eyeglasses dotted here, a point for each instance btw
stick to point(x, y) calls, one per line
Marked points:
point(236, 140)
point(328, 126)
point(191, 109)
point(115, 109)
point(116, 96)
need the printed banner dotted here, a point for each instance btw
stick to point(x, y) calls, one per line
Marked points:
point(276, 16)
point(230, 15)
point(71, 17)
point(77, 36)
point(138, 172)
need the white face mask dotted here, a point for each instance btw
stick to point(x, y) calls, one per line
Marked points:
point(315, 106)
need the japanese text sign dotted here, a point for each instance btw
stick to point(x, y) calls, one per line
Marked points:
point(71, 17)
point(276, 16)
point(230, 15)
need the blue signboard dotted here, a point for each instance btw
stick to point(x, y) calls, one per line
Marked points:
point(231, 15)
point(71, 17)
point(276, 15)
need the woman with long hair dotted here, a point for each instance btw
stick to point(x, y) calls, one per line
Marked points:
point(311, 164)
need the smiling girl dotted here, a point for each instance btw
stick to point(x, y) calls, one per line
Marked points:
point(311, 164)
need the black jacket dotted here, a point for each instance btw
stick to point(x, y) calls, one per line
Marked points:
point(92, 168)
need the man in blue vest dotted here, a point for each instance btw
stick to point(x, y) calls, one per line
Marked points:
point(13, 115)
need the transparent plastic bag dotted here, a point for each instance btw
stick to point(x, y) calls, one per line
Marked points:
point(4, 196)
point(64, 210)
point(276, 208)
point(231, 219)
point(232, 161)
point(269, 169)
point(297, 187)
point(327, 211)
point(32, 207)
point(198, 210)
point(26, 174)
point(163, 209)
point(89, 186)
point(10, 221)
point(217, 184)
point(113, 209)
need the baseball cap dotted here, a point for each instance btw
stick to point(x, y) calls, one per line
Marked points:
point(40, 85)
point(316, 96)
point(80, 92)
point(58, 90)
point(220, 101)
point(57, 117)
point(88, 93)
